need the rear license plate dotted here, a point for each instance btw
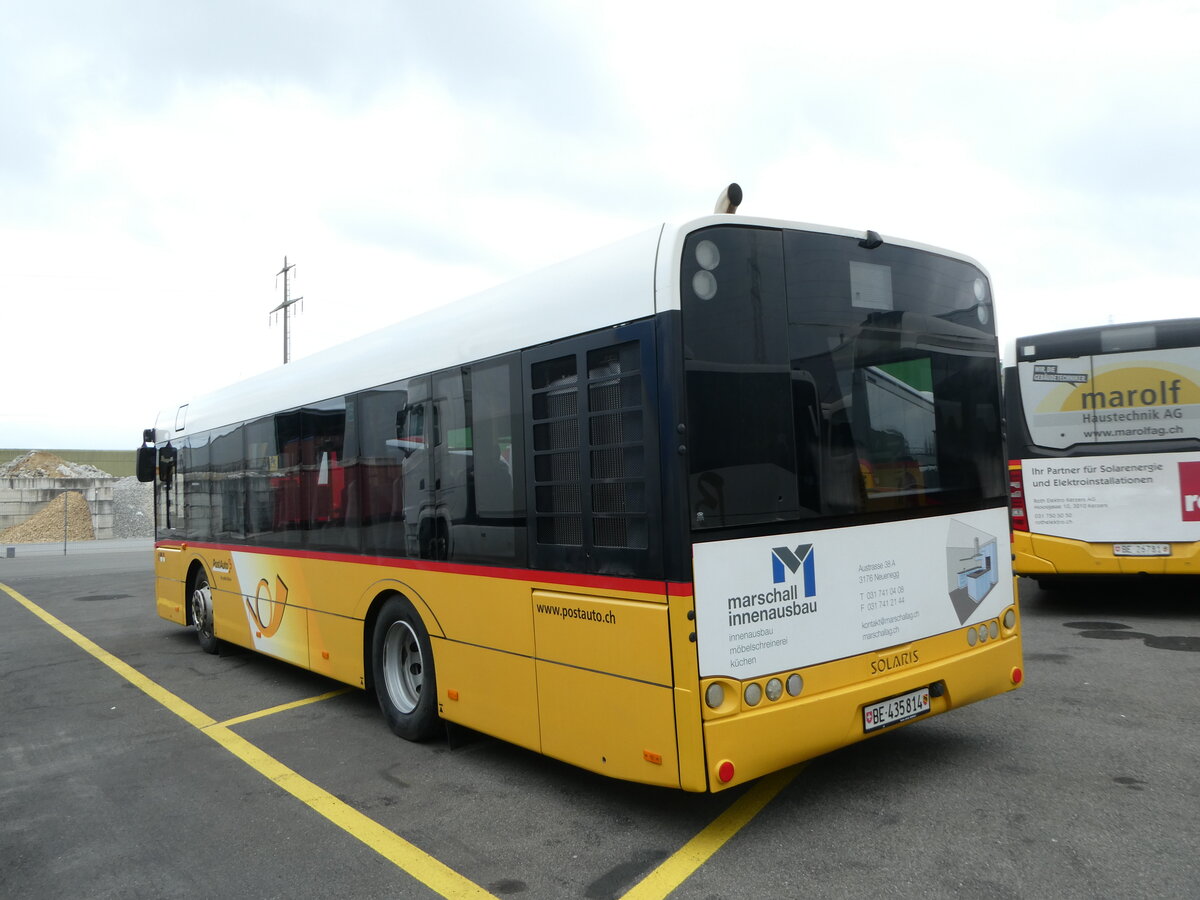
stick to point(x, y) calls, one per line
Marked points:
point(1141, 549)
point(896, 709)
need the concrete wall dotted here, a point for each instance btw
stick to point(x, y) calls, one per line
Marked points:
point(21, 498)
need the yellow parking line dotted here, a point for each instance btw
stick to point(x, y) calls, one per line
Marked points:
point(284, 707)
point(674, 870)
point(420, 865)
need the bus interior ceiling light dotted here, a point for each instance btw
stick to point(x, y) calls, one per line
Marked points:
point(704, 282)
point(708, 255)
point(981, 304)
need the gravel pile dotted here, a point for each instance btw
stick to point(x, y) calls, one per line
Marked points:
point(133, 508)
point(47, 526)
point(40, 464)
point(133, 503)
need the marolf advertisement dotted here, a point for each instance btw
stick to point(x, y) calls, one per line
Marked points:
point(765, 605)
point(1144, 396)
point(1128, 398)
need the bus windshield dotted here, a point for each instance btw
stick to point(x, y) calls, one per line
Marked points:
point(828, 381)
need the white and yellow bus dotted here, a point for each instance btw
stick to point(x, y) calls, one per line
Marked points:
point(1104, 447)
point(684, 511)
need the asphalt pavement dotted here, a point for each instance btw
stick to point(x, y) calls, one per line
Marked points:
point(134, 765)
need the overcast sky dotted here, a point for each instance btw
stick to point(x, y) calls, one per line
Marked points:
point(159, 160)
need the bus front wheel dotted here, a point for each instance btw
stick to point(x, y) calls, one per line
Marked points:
point(202, 612)
point(402, 665)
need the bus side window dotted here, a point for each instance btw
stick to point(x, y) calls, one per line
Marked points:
point(498, 423)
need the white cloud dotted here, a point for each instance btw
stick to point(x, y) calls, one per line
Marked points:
point(158, 162)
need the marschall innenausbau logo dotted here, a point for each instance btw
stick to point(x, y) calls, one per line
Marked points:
point(784, 561)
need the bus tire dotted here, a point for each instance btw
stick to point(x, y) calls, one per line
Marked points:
point(202, 611)
point(402, 666)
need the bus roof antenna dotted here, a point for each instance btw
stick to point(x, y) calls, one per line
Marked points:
point(871, 241)
point(730, 199)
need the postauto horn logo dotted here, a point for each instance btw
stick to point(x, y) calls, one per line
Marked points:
point(785, 561)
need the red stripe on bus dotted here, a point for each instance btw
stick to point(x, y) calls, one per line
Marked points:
point(605, 582)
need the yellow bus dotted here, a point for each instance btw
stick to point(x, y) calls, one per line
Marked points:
point(1104, 447)
point(616, 512)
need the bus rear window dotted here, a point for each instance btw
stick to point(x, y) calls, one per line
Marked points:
point(1075, 402)
point(828, 380)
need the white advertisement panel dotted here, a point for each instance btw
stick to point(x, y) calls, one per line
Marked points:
point(770, 604)
point(1149, 395)
point(1131, 497)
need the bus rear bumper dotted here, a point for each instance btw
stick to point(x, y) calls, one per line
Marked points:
point(754, 743)
point(1038, 555)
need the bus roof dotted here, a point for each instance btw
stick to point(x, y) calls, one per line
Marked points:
point(631, 279)
point(1108, 338)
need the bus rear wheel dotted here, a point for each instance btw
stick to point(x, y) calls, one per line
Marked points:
point(202, 613)
point(402, 666)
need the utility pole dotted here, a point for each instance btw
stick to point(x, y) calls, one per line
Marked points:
point(285, 308)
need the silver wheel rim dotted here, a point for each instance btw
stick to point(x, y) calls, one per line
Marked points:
point(202, 610)
point(402, 666)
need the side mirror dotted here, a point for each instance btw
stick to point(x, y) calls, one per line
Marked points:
point(145, 464)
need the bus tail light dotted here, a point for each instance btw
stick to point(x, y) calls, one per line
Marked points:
point(1017, 675)
point(774, 689)
point(984, 632)
point(1016, 496)
point(714, 695)
point(725, 771)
